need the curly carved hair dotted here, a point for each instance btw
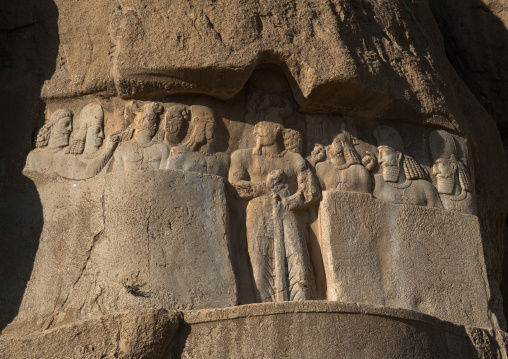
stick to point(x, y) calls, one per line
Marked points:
point(45, 131)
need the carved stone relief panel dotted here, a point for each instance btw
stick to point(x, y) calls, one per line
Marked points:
point(209, 203)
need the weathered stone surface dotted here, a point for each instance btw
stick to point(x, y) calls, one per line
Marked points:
point(328, 330)
point(283, 330)
point(141, 334)
point(124, 241)
point(134, 112)
point(404, 256)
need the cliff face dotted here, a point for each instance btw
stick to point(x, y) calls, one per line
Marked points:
point(476, 43)
point(197, 155)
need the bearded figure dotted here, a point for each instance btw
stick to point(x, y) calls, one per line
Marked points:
point(277, 184)
point(142, 146)
point(192, 141)
point(402, 179)
point(51, 142)
point(452, 177)
point(86, 155)
point(344, 171)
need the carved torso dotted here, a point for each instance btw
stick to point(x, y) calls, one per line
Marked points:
point(416, 192)
point(354, 178)
point(133, 156)
point(464, 202)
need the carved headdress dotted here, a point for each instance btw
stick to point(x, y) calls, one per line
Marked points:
point(91, 115)
point(293, 140)
point(442, 145)
point(45, 131)
point(389, 137)
point(348, 142)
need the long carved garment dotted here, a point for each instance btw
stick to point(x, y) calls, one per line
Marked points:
point(266, 226)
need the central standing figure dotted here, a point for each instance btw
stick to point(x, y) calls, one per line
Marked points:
point(277, 183)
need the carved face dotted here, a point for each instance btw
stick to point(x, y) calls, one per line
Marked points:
point(318, 153)
point(146, 122)
point(175, 126)
point(336, 149)
point(388, 159)
point(444, 173)
point(442, 168)
point(267, 132)
point(94, 136)
point(387, 156)
point(60, 133)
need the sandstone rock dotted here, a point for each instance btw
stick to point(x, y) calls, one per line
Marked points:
point(190, 156)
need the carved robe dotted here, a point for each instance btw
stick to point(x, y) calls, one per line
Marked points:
point(276, 242)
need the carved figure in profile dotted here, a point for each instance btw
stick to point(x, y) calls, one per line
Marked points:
point(317, 155)
point(142, 145)
point(195, 152)
point(402, 179)
point(51, 142)
point(276, 184)
point(86, 155)
point(452, 177)
point(344, 170)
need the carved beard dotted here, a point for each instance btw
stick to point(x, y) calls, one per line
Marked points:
point(445, 185)
point(390, 172)
point(61, 140)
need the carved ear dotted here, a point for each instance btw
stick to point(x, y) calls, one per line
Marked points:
point(398, 156)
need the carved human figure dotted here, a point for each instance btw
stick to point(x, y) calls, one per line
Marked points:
point(275, 181)
point(344, 170)
point(402, 179)
point(195, 152)
point(142, 146)
point(86, 155)
point(293, 142)
point(175, 124)
point(317, 155)
point(452, 177)
point(51, 142)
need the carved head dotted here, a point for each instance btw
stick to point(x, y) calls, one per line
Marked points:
point(267, 133)
point(389, 160)
point(176, 122)
point(201, 129)
point(91, 130)
point(57, 131)
point(147, 120)
point(447, 168)
point(318, 154)
point(343, 146)
point(293, 140)
point(391, 155)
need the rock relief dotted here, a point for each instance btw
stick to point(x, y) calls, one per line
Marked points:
point(290, 172)
point(85, 157)
point(402, 179)
point(452, 177)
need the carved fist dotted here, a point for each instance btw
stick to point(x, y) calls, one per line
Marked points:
point(369, 161)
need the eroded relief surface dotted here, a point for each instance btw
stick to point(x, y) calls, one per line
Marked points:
point(209, 203)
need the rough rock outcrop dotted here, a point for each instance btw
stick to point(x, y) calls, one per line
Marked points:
point(185, 156)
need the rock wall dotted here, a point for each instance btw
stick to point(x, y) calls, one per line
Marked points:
point(180, 156)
